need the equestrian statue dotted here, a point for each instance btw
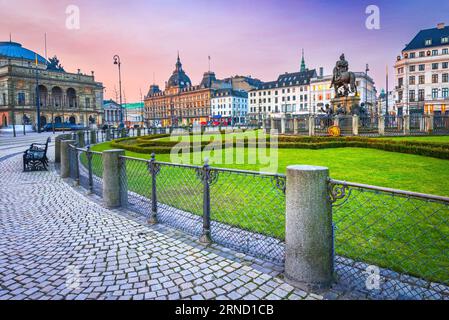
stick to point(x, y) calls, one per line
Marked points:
point(343, 80)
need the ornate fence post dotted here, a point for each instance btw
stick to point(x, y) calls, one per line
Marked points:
point(309, 232)
point(65, 157)
point(111, 178)
point(154, 171)
point(207, 178)
point(295, 126)
point(311, 125)
point(381, 125)
point(283, 123)
point(407, 124)
point(355, 125)
point(89, 168)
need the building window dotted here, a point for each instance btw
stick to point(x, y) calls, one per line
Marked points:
point(422, 54)
point(412, 55)
point(400, 82)
point(435, 93)
point(400, 95)
point(445, 51)
point(422, 67)
point(445, 40)
point(434, 78)
point(444, 65)
point(445, 77)
point(412, 68)
point(434, 52)
point(445, 92)
point(421, 95)
point(434, 66)
point(412, 79)
point(422, 79)
point(87, 102)
point(428, 42)
point(412, 95)
point(21, 98)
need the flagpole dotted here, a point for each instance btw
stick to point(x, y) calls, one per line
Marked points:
point(38, 111)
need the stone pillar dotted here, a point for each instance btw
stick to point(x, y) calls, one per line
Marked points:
point(271, 124)
point(381, 125)
point(58, 140)
point(111, 178)
point(336, 121)
point(309, 233)
point(283, 123)
point(65, 157)
point(93, 137)
point(139, 132)
point(406, 124)
point(355, 125)
point(80, 139)
point(295, 126)
point(430, 122)
point(311, 125)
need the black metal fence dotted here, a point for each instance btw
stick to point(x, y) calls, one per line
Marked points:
point(391, 243)
point(388, 243)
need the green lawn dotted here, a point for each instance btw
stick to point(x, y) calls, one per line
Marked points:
point(401, 234)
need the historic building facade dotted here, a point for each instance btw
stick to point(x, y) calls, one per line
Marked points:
point(182, 103)
point(422, 73)
point(229, 107)
point(28, 80)
point(111, 113)
point(289, 94)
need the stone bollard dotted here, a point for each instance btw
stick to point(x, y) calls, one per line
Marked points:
point(65, 157)
point(406, 124)
point(80, 142)
point(309, 233)
point(58, 140)
point(381, 125)
point(93, 137)
point(108, 134)
point(311, 125)
point(430, 123)
point(111, 178)
point(355, 125)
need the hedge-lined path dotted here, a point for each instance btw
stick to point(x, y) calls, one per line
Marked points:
point(55, 243)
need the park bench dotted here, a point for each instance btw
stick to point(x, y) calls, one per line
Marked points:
point(35, 158)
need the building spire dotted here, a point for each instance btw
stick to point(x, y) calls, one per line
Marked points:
point(303, 63)
point(178, 63)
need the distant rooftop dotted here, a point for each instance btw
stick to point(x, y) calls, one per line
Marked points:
point(429, 38)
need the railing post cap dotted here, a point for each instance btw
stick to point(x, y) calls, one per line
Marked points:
point(306, 168)
point(114, 151)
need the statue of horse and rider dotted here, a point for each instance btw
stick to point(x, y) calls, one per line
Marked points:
point(343, 80)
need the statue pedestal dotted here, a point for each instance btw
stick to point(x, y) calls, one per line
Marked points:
point(346, 102)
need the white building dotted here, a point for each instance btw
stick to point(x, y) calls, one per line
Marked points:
point(229, 107)
point(382, 103)
point(421, 73)
point(111, 113)
point(321, 92)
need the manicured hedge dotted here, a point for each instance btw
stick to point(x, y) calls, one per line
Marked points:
point(436, 150)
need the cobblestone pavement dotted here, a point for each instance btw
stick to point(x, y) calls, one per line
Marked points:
point(56, 243)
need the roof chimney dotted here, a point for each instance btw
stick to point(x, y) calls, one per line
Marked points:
point(440, 25)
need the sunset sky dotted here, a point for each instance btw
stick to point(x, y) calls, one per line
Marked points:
point(261, 38)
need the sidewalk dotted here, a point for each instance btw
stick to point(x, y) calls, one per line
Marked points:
point(56, 243)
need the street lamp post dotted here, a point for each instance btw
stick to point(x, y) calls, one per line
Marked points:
point(366, 85)
point(119, 64)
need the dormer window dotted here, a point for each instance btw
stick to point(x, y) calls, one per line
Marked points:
point(428, 42)
point(445, 40)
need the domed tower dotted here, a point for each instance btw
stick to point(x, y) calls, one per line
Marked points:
point(179, 78)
